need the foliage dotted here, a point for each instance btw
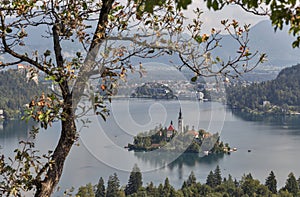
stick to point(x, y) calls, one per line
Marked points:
point(214, 179)
point(17, 91)
point(134, 182)
point(100, 191)
point(247, 186)
point(18, 174)
point(86, 191)
point(282, 94)
point(113, 185)
point(291, 184)
point(153, 90)
point(281, 13)
point(271, 182)
point(187, 142)
point(191, 179)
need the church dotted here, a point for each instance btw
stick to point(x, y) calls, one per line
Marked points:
point(171, 128)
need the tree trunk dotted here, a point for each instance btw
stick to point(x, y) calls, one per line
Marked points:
point(66, 141)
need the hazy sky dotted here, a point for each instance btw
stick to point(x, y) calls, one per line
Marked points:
point(212, 18)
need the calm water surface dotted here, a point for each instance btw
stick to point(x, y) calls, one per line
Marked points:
point(274, 144)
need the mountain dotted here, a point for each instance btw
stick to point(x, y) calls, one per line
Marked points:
point(281, 95)
point(277, 45)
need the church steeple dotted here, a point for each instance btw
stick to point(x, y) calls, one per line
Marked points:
point(180, 122)
point(180, 114)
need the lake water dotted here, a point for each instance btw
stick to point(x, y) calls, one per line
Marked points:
point(274, 144)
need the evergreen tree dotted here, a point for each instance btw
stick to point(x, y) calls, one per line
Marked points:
point(135, 181)
point(291, 184)
point(191, 180)
point(271, 183)
point(217, 176)
point(161, 190)
point(210, 179)
point(167, 187)
point(113, 185)
point(184, 185)
point(249, 185)
point(100, 192)
point(86, 191)
point(151, 190)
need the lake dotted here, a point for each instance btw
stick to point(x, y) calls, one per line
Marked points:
point(274, 143)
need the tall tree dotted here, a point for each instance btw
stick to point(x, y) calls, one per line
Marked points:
point(249, 185)
point(135, 181)
point(86, 191)
point(210, 180)
point(100, 192)
point(191, 179)
point(217, 176)
point(271, 182)
point(105, 48)
point(113, 185)
point(291, 184)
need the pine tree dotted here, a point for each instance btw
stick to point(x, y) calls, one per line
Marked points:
point(210, 180)
point(291, 184)
point(100, 192)
point(217, 176)
point(191, 180)
point(151, 190)
point(135, 181)
point(167, 188)
point(113, 185)
point(271, 183)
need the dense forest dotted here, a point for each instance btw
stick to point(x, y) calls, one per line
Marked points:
point(215, 186)
point(278, 96)
point(16, 91)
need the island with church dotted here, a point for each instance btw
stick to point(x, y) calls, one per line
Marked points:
point(181, 140)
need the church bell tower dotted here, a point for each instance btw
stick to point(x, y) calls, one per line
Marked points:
point(180, 122)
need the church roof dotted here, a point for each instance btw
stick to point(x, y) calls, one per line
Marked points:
point(171, 127)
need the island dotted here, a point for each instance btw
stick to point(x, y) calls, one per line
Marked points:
point(183, 140)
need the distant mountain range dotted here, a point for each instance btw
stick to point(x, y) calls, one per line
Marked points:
point(277, 45)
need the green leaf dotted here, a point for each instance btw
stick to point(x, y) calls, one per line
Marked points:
point(198, 39)
point(47, 53)
point(209, 4)
point(84, 5)
point(8, 30)
point(215, 5)
point(194, 79)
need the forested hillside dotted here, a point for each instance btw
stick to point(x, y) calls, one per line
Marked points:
point(16, 91)
point(281, 95)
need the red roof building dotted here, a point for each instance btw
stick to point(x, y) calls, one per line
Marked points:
point(170, 130)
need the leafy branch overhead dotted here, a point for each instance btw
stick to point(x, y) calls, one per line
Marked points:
point(281, 13)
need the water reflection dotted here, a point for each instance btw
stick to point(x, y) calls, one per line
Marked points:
point(185, 159)
point(16, 129)
point(284, 121)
